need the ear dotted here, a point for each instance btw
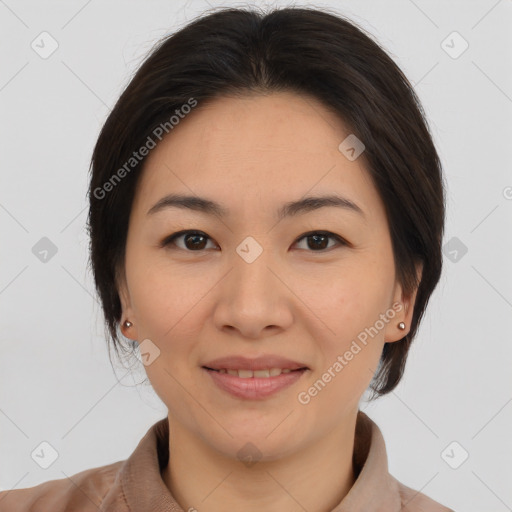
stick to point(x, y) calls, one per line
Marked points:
point(127, 312)
point(393, 333)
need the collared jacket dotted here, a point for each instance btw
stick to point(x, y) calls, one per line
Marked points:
point(136, 484)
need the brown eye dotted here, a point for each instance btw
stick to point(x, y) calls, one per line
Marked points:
point(196, 241)
point(318, 241)
point(193, 241)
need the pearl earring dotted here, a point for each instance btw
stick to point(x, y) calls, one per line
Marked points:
point(127, 324)
point(401, 326)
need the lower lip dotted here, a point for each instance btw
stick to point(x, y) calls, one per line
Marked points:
point(254, 388)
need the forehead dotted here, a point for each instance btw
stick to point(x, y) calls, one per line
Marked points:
point(258, 149)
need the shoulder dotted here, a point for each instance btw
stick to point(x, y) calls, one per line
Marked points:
point(415, 501)
point(83, 491)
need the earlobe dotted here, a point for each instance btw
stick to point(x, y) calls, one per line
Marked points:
point(127, 315)
point(128, 328)
point(399, 328)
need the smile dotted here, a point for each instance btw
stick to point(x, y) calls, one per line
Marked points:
point(247, 374)
point(254, 385)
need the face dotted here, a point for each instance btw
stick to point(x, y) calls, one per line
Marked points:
point(305, 286)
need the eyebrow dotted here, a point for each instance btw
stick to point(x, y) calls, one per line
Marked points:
point(289, 209)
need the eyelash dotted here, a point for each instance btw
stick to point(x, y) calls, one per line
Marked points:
point(171, 238)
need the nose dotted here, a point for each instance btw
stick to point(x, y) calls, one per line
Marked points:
point(254, 299)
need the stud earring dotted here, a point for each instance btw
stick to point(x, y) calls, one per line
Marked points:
point(401, 326)
point(127, 324)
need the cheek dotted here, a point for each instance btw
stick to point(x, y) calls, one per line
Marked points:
point(168, 306)
point(164, 300)
point(352, 298)
point(351, 308)
point(348, 365)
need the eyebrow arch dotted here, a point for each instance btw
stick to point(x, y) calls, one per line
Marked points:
point(289, 209)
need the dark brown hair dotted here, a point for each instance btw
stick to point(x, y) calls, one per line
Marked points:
point(316, 53)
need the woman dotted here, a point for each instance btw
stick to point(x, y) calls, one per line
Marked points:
point(266, 219)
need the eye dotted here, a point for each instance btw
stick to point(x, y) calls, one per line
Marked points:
point(318, 239)
point(194, 241)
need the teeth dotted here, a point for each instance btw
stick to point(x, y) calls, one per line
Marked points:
point(247, 374)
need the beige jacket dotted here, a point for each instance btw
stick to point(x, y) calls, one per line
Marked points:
point(136, 485)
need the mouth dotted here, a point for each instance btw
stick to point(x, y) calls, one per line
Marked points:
point(254, 384)
point(259, 374)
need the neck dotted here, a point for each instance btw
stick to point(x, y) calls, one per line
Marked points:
point(317, 477)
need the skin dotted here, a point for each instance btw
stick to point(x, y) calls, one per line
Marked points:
point(297, 300)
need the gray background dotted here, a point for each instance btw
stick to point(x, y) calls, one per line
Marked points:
point(56, 382)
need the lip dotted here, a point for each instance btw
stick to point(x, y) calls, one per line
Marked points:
point(254, 388)
point(258, 363)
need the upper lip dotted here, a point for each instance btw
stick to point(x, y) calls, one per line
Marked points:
point(257, 363)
